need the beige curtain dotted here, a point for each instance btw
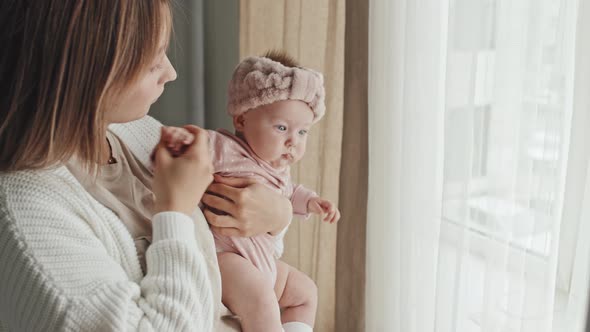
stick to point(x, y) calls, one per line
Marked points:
point(313, 32)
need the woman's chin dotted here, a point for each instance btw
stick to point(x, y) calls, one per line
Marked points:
point(124, 118)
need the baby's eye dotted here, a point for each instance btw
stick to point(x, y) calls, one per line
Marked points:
point(303, 132)
point(282, 128)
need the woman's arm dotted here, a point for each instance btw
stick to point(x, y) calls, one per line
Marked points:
point(251, 208)
point(68, 265)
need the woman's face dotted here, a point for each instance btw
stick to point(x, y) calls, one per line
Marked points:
point(134, 102)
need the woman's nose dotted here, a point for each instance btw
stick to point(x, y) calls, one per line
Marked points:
point(170, 73)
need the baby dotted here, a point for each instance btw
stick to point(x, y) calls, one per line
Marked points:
point(274, 103)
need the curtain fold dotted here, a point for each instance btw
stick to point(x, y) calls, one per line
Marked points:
point(478, 161)
point(573, 275)
point(352, 229)
point(313, 33)
point(184, 99)
point(407, 57)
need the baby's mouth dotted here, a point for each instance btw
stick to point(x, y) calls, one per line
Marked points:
point(287, 156)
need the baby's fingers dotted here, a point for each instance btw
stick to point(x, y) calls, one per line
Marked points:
point(329, 215)
point(316, 207)
point(336, 217)
point(188, 139)
point(184, 137)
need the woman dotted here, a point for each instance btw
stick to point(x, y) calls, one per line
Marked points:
point(67, 261)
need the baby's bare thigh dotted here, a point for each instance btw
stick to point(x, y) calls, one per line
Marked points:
point(293, 287)
point(240, 278)
point(248, 293)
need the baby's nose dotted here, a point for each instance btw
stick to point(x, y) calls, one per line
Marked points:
point(291, 142)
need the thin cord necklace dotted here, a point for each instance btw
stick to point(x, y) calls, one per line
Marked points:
point(112, 159)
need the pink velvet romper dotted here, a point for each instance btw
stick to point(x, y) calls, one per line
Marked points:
point(233, 157)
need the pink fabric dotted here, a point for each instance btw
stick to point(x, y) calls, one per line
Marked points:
point(233, 157)
point(258, 81)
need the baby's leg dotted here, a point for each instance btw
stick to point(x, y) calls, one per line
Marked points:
point(248, 293)
point(297, 294)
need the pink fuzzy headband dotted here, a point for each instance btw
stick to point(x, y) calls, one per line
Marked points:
point(261, 81)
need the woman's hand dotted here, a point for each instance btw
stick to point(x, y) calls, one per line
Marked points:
point(180, 181)
point(249, 208)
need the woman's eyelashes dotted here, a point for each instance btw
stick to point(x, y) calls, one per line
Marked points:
point(157, 67)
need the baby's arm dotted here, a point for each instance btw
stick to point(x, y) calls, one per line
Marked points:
point(306, 201)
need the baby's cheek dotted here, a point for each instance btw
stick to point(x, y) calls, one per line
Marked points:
point(301, 151)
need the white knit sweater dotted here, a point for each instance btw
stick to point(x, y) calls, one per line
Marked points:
point(68, 263)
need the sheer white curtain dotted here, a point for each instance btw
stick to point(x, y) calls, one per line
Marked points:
point(478, 165)
point(407, 47)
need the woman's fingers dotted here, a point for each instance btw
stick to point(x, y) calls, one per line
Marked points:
point(226, 231)
point(257, 209)
point(218, 203)
point(234, 182)
point(161, 153)
point(224, 190)
point(200, 147)
point(181, 180)
point(231, 188)
point(215, 220)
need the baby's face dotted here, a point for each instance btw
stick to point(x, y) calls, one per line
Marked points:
point(277, 133)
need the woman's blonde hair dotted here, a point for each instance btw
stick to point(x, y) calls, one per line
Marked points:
point(62, 64)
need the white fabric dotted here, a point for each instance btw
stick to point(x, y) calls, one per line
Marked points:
point(297, 327)
point(478, 160)
point(406, 107)
point(68, 263)
point(573, 275)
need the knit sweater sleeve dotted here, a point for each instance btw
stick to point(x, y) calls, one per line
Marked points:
point(140, 136)
point(65, 267)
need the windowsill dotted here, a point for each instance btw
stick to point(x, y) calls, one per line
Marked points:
point(480, 279)
point(503, 222)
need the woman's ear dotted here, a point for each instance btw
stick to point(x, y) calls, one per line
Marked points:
point(239, 122)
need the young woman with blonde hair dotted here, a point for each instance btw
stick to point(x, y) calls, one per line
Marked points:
point(77, 80)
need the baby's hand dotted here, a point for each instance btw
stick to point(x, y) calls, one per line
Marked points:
point(321, 206)
point(176, 139)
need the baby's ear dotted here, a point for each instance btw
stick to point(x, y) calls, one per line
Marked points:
point(239, 122)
